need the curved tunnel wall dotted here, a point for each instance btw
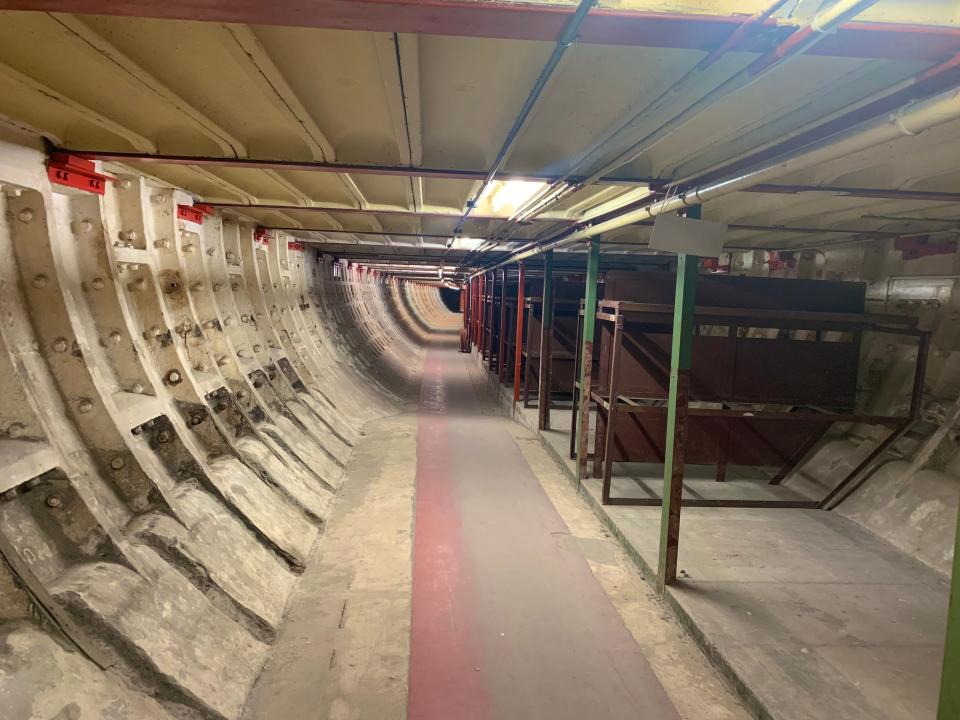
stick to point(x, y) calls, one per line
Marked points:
point(179, 403)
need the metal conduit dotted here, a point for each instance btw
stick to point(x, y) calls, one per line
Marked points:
point(911, 119)
point(795, 45)
point(563, 42)
point(562, 186)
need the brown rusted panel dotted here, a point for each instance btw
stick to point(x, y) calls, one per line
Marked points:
point(796, 372)
point(747, 370)
point(742, 292)
point(763, 443)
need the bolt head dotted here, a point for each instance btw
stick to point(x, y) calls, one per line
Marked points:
point(85, 405)
point(115, 337)
point(60, 345)
point(173, 377)
point(163, 436)
point(118, 463)
point(39, 281)
point(196, 419)
point(25, 215)
point(54, 501)
point(97, 283)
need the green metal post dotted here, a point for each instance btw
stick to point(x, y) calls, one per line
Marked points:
point(676, 438)
point(546, 344)
point(950, 680)
point(586, 355)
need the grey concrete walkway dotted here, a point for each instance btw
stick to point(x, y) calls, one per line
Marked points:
point(508, 624)
point(809, 615)
point(524, 610)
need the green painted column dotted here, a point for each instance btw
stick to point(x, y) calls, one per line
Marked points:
point(681, 355)
point(586, 354)
point(950, 682)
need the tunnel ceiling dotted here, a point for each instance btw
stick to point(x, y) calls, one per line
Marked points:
point(438, 87)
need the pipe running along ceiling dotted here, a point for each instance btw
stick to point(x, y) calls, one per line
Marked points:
point(290, 125)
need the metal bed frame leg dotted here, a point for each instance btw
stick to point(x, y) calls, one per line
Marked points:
point(676, 438)
point(575, 404)
point(613, 385)
point(544, 394)
point(586, 355)
point(723, 455)
point(519, 339)
point(950, 683)
point(501, 348)
point(527, 363)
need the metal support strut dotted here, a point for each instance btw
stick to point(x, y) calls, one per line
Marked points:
point(546, 343)
point(950, 680)
point(518, 348)
point(675, 447)
point(586, 356)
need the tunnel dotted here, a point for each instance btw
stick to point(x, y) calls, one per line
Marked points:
point(479, 360)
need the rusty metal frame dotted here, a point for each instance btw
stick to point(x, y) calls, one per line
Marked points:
point(618, 312)
point(546, 340)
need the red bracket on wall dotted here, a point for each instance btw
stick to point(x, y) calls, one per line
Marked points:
point(713, 265)
point(780, 260)
point(920, 246)
point(76, 172)
point(194, 213)
point(261, 237)
point(294, 245)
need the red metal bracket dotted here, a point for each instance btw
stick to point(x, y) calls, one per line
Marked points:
point(294, 245)
point(920, 246)
point(261, 237)
point(713, 265)
point(780, 260)
point(194, 213)
point(76, 172)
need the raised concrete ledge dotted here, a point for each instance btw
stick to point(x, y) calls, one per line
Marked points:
point(806, 615)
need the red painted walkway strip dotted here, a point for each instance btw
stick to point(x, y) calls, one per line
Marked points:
point(443, 680)
point(509, 623)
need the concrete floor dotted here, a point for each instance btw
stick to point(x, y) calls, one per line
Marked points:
point(807, 614)
point(509, 601)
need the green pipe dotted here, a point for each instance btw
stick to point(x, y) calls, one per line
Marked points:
point(950, 680)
